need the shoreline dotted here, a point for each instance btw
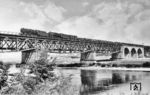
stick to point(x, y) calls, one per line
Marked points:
point(107, 68)
point(142, 64)
point(115, 68)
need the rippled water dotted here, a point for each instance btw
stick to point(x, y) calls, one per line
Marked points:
point(108, 82)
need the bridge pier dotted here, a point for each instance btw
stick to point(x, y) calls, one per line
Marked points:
point(18, 57)
point(31, 56)
point(27, 55)
point(88, 57)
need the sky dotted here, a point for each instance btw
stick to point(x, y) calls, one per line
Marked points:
point(112, 20)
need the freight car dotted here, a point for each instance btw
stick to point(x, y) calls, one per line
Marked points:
point(62, 36)
point(53, 35)
point(85, 40)
point(68, 37)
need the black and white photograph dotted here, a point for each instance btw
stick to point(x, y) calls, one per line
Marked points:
point(74, 47)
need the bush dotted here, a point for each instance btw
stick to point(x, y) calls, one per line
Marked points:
point(114, 65)
point(103, 65)
point(146, 64)
point(45, 81)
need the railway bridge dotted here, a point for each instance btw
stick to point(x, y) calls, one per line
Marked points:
point(88, 48)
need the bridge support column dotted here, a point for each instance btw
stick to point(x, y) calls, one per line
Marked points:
point(26, 55)
point(32, 55)
point(88, 57)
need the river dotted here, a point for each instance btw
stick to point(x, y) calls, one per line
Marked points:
point(109, 82)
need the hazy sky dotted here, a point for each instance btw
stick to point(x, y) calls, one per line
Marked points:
point(115, 20)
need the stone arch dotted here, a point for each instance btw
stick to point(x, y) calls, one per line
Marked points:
point(126, 52)
point(133, 52)
point(139, 53)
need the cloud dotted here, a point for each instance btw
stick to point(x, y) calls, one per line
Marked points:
point(54, 12)
point(118, 20)
point(85, 26)
point(85, 4)
point(16, 14)
point(126, 21)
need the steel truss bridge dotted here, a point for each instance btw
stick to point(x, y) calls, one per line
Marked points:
point(19, 43)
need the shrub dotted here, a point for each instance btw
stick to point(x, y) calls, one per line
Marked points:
point(146, 64)
point(114, 65)
point(45, 81)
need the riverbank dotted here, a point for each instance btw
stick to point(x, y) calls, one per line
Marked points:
point(128, 63)
point(115, 68)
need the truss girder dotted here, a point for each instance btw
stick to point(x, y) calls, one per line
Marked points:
point(23, 43)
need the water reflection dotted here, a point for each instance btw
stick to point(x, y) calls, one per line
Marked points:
point(93, 81)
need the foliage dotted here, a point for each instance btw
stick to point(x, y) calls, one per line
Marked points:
point(146, 64)
point(41, 80)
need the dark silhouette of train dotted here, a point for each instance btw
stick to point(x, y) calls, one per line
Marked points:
point(61, 36)
point(51, 35)
point(54, 35)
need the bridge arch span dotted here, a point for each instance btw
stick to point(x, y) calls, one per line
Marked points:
point(139, 51)
point(126, 52)
point(133, 52)
point(130, 52)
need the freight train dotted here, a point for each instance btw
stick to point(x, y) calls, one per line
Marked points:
point(50, 35)
point(85, 42)
point(59, 36)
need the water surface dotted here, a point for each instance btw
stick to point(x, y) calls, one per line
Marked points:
point(108, 82)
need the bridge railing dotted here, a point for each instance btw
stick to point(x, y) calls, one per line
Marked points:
point(8, 32)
